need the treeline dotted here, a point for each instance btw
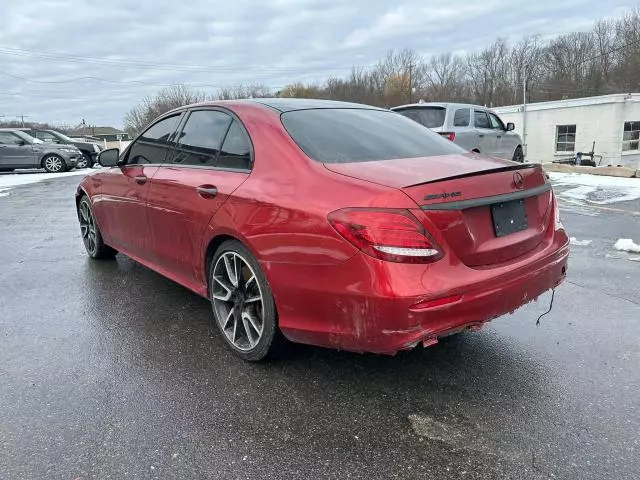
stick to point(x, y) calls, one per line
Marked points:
point(601, 61)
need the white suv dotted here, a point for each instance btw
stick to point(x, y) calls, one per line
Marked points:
point(474, 128)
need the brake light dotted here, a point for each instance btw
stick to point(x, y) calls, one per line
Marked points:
point(450, 135)
point(386, 234)
point(556, 213)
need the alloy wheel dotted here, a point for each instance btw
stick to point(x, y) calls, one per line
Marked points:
point(83, 162)
point(53, 163)
point(238, 301)
point(87, 228)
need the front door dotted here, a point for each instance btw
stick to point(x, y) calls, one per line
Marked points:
point(15, 152)
point(486, 136)
point(120, 206)
point(186, 193)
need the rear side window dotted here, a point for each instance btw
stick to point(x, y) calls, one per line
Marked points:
point(236, 149)
point(480, 119)
point(201, 137)
point(462, 117)
point(360, 135)
point(430, 117)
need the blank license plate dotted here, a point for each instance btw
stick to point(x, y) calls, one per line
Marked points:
point(509, 217)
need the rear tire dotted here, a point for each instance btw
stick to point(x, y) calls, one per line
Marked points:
point(91, 235)
point(243, 305)
point(53, 163)
point(518, 155)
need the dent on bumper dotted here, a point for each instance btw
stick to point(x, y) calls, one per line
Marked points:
point(389, 324)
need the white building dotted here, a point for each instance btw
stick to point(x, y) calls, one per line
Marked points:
point(559, 129)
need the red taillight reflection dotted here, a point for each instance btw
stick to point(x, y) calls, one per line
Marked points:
point(391, 235)
point(450, 135)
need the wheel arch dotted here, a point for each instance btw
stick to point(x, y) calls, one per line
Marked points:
point(213, 245)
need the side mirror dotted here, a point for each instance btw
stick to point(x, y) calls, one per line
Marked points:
point(109, 158)
point(21, 143)
point(511, 126)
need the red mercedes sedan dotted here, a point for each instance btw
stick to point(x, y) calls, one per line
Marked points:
point(326, 223)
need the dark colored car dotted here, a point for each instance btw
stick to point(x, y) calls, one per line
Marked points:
point(331, 223)
point(20, 150)
point(89, 150)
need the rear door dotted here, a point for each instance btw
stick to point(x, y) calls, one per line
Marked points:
point(485, 135)
point(15, 153)
point(211, 159)
point(120, 206)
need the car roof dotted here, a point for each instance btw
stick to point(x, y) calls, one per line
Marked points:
point(283, 105)
point(440, 104)
point(12, 129)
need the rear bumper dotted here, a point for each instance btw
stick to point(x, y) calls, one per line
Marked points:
point(366, 305)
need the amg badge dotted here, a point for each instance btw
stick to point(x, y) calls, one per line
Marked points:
point(443, 195)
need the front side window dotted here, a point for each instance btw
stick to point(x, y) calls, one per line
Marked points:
point(154, 144)
point(8, 138)
point(462, 117)
point(430, 117)
point(236, 149)
point(496, 123)
point(565, 138)
point(631, 136)
point(345, 135)
point(200, 139)
point(480, 119)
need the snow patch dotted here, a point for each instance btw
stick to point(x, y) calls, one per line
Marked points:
point(597, 189)
point(627, 245)
point(27, 177)
point(579, 243)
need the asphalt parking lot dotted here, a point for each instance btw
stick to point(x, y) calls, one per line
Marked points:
point(108, 370)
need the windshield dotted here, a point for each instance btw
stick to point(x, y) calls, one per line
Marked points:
point(26, 137)
point(430, 117)
point(62, 136)
point(362, 135)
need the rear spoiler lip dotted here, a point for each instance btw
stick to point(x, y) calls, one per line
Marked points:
point(478, 173)
point(483, 201)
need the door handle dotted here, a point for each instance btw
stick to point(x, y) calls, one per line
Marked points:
point(481, 135)
point(499, 136)
point(207, 191)
point(140, 179)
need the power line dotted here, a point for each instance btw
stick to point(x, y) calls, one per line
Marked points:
point(163, 66)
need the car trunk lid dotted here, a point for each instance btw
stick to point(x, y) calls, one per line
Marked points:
point(488, 210)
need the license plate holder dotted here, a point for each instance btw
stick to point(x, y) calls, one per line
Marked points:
point(509, 217)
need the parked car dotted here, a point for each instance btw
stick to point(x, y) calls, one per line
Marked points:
point(332, 223)
point(20, 150)
point(89, 150)
point(474, 128)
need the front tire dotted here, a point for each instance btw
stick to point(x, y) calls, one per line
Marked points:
point(242, 302)
point(91, 235)
point(518, 155)
point(84, 162)
point(53, 163)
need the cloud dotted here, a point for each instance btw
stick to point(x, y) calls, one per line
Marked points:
point(155, 42)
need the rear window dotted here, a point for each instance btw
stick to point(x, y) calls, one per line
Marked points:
point(430, 117)
point(359, 135)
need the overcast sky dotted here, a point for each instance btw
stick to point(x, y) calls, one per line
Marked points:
point(48, 46)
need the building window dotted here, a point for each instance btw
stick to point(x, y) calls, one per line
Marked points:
point(631, 136)
point(565, 138)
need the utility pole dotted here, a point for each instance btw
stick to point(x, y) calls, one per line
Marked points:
point(22, 118)
point(410, 83)
point(524, 111)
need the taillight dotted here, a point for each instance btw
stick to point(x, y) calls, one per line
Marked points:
point(450, 135)
point(386, 234)
point(556, 213)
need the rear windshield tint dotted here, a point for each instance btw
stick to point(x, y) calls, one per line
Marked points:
point(359, 135)
point(430, 117)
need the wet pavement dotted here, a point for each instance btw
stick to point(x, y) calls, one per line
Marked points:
point(108, 370)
